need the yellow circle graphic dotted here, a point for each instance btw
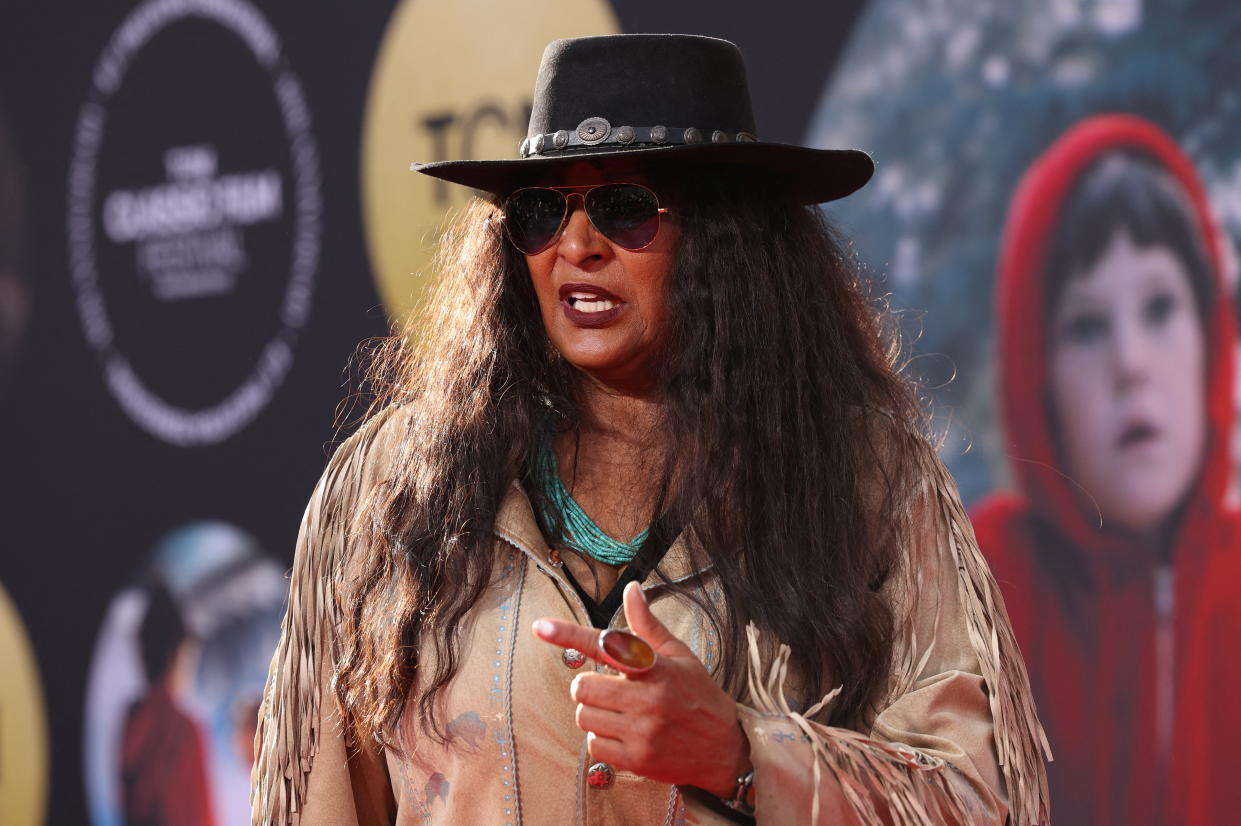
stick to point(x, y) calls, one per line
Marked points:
point(23, 725)
point(452, 81)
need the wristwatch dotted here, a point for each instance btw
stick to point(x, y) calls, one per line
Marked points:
point(743, 795)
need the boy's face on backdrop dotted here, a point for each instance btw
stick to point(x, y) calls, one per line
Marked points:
point(1127, 374)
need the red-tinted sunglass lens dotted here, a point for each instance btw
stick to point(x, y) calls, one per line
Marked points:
point(628, 214)
point(533, 218)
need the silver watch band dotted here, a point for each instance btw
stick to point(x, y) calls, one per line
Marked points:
point(742, 799)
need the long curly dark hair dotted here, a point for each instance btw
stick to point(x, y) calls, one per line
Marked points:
point(778, 359)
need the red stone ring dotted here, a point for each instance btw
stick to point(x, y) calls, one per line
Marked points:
point(630, 653)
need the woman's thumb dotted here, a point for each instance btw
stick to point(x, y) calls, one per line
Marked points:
point(647, 626)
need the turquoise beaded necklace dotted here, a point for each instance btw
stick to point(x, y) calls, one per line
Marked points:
point(579, 532)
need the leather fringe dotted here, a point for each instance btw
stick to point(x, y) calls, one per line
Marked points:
point(1020, 741)
point(914, 784)
point(287, 739)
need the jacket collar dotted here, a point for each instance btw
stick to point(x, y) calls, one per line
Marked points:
point(516, 524)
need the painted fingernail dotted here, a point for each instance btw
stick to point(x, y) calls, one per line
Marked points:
point(543, 628)
point(627, 649)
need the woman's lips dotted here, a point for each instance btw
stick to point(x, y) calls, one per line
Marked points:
point(587, 305)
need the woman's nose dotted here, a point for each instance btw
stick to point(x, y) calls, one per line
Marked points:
point(580, 241)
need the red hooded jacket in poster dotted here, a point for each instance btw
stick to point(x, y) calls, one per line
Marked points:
point(163, 765)
point(1132, 654)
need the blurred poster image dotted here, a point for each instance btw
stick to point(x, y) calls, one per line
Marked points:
point(480, 109)
point(1116, 345)
point(1063, 194)
point(24, 764)
point(176, 681)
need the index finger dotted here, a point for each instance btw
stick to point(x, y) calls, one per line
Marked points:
point(627, 653)
point(570, 635)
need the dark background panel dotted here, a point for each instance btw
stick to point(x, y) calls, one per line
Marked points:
point(790, 47)
point(86, 492)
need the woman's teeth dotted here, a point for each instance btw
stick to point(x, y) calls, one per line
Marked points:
point(590, 304)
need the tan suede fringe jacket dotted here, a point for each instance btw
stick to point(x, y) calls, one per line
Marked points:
point(957, 740)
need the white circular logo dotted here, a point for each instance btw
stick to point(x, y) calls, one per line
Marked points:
point(194, 215)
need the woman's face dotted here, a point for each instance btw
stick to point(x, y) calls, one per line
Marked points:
point(1127, 382)
point(604, 307)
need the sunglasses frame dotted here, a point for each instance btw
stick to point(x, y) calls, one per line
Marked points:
point(567, 192)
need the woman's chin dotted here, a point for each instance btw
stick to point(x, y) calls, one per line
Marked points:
point(621, 369)
point(593, 350)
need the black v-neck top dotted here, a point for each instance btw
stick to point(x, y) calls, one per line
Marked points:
point(648, 556)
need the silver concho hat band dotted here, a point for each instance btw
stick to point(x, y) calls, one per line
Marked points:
point(597, 131)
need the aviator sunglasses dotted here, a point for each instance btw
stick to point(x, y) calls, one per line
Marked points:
point(626, 214)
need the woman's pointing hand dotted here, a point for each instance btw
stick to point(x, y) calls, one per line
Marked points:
point(664, 717)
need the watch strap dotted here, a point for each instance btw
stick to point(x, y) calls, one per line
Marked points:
point(743, 794)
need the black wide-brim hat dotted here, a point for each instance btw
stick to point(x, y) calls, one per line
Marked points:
point(652, 97)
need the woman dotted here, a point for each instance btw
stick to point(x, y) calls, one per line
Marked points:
point(1116, 341)
point(647, 369)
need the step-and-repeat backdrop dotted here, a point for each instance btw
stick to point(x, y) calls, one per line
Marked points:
point(205, 206)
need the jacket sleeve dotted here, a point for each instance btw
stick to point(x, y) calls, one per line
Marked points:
point(307, 772)
point(957, 740)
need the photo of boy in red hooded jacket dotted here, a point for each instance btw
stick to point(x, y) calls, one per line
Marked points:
point(1116, 552)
